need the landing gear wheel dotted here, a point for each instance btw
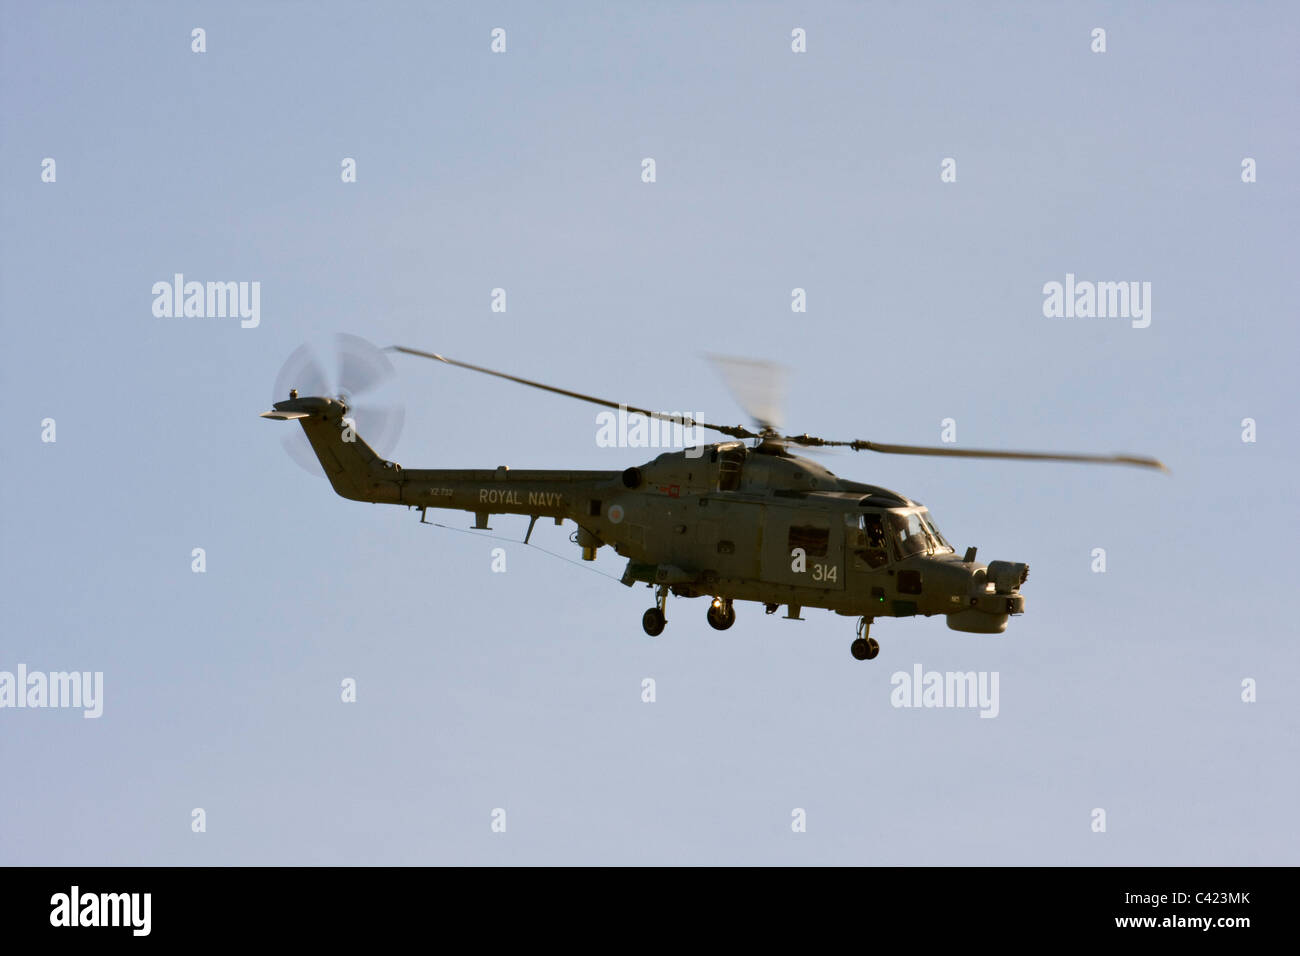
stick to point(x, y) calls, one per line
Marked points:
point(865, 649)
point(653, 622)
point(721, 617)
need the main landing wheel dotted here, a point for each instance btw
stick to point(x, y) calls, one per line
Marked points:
point(721, 616)
point(865, 649)
point(653, 621)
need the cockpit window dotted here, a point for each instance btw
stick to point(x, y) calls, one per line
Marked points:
point(874, 536)
point(914, 533)
point(909, 534)
point(892, 536)
point(871, 549)
point(940, 541)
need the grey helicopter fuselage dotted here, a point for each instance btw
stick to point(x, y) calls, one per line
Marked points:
point(724, 520)
point(760, 524)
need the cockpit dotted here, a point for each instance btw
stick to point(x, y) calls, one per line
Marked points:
point(893, 535)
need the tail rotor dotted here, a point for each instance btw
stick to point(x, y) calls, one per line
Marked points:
point(350, 369)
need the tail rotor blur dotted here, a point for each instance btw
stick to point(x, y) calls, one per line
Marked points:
point(357, 373)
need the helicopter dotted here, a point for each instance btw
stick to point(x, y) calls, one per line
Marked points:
point(739, 520)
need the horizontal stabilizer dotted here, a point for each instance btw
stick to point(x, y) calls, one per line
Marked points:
point(285, 416)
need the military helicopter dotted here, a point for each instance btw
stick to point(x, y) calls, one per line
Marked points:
point(738, 520)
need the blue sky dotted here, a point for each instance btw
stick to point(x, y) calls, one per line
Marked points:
point(521, 171)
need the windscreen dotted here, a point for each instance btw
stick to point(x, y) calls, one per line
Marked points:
point(915, 533)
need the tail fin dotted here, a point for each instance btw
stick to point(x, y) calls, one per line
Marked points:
point(352, 466)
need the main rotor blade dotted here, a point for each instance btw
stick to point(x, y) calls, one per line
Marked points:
point(734, 431)
point(757, 386)
point(860, 445)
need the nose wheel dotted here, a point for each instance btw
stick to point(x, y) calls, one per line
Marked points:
point(721, 614)
point(864, 648)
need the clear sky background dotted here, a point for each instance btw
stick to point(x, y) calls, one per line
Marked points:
point(775, 170)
